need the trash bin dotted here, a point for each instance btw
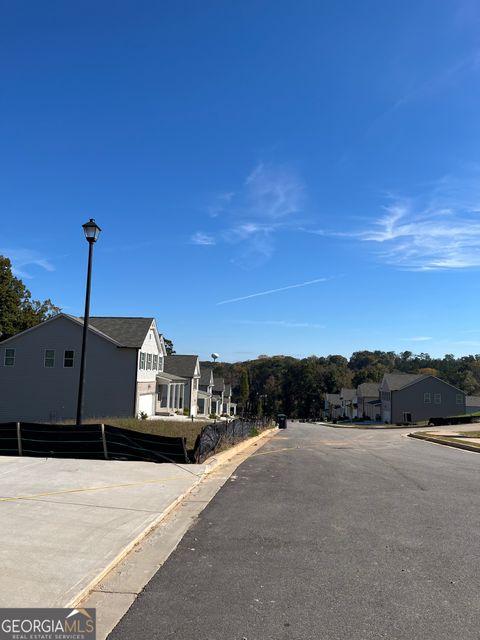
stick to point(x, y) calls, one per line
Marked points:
point(282, 421)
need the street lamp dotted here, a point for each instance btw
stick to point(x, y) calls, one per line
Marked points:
point(92, 231)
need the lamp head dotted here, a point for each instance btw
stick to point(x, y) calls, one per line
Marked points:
point(91, 230)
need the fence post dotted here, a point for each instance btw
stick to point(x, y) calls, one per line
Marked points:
point(104, 440)
point(19, 440)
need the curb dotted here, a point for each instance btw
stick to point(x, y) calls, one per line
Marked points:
point(210, 465)
point(219, 459)
point(448, 443)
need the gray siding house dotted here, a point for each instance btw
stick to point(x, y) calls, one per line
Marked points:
point(472, 404)
point(332, 406)
point(188, 368)
point(348, 400)
point(368, 400)
point(39, 369)
point(412, 398)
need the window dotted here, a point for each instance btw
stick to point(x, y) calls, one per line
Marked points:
point(149, 361)
point(142, 360)
point(155, 362)
point(437, 398)
point(9, 357)
point(427, 398)
point(49, 360)
point(160, 363)
point(68, 358)
point(459, 398)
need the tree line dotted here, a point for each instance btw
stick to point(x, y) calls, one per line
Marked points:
point(296, 387)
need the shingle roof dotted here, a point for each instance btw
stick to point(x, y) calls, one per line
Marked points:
point(396, 381)
point(333, 397)
point(205, 376)
point(228, 390)
point(219, 384)
point(472, 401)
point(368, 389)
point(180, 365)
point(348, 394)
point(129, 332)
point(169, 377)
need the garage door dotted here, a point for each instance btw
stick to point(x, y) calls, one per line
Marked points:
point(145, 404)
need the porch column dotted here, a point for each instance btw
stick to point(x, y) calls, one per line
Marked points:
point(168, 397)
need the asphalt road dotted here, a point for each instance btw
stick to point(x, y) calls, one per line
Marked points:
point(327, 534)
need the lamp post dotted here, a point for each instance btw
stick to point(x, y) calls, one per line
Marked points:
point(92, 231)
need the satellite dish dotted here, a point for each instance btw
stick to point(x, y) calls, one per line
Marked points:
point(215, 356)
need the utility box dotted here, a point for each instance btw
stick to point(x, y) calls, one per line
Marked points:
point(282, 421)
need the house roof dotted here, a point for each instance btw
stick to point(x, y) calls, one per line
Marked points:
point(180, 365)
point(165, 377)
point(332, 397)
point(205, 376)
point(368, 389)
point(219, 384)
point(228, 389)
point(128, 332)
point(472, 401)
point(348, 394)
point(396, 381)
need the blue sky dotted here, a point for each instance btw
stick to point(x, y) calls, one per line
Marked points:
point(323, 154)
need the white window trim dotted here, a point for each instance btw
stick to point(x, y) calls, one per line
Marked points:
point(142, 354)
point(45, 358)
point(459, 398)
point(149, 361)
point(427, 398)
point(437, 398)
point(5, 357)
point(73, 358)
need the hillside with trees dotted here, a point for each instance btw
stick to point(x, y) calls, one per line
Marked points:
point(295, 387)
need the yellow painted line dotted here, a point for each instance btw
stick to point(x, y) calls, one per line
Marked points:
point(86, 489)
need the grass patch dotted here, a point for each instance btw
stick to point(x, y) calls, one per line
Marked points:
point(449, 440)
point(170, 428)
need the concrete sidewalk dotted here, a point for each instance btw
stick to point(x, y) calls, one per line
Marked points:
point(64, 523)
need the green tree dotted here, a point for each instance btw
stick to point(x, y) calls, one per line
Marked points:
point(17, 309)
point(169, 347)
point(244, 388)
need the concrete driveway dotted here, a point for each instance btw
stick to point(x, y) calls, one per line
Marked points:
point(64, 522)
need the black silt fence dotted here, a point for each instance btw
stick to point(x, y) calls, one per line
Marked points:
point(220, 434)
point(90, 442)
point(466, 419)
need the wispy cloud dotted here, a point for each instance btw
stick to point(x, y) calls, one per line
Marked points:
point(284, 323)
point(270, 291)
point(418, 339)
point(22, 259)
point(427, 239)
point(269, 200)
point(201, 238)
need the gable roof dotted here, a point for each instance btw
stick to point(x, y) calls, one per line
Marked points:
point(348, 394)
point(228, 390)
point(368, 389)
point(218, 384)
point(205, 376)
point(180, 365)
point(396, 381)
point(58, 316)
point(128, 332)
point(332, 397)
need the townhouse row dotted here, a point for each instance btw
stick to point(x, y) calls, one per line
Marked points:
point(128, 373)
point(400, 398)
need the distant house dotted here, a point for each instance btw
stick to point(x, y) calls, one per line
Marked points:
point(348, 400)
point(39, 369)
point(218, 395)
point(368, 400)
point(331, 406)
point(205, 392)
point(472, 404)
point(188, 368)
point(413, 398)
point(229, 407)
